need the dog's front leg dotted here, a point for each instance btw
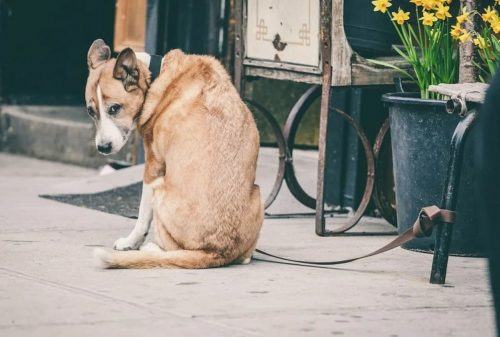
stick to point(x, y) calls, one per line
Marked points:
point(136, 238)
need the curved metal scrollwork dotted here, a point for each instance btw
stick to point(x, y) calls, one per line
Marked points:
point(286, 143)
point(290, 131)
point(370, 177)
point(283, 150)
point(383, 201)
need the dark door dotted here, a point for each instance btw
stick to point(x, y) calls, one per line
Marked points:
point(44, 46)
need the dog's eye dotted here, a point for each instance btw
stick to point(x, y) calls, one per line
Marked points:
point(91, 111)
point(114, 109)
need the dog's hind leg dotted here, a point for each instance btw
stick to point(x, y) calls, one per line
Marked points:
point(246, 257)
point(162, 237)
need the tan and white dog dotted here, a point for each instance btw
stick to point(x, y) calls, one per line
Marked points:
point(201, 146)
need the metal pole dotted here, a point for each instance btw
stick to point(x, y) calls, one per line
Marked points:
point(238, 47)
point(449, 200)
point(326, 55)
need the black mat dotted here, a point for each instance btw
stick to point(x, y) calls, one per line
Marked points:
point(122, 201)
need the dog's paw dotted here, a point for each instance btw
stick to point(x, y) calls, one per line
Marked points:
point(127, 244)
point(102, 257)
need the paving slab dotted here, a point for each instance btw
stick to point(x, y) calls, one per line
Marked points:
point(50, 285)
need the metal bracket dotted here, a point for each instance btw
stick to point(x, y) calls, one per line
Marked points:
point(449, 199)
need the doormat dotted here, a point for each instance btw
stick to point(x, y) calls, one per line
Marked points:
point(122, 201)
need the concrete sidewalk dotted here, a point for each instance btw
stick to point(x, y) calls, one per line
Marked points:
point(50, 286)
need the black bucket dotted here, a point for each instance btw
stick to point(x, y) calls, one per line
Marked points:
point(370, 33)
point(421, 132)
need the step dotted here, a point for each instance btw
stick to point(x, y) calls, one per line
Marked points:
point(58, 133)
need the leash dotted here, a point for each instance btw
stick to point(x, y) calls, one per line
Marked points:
point(426, 220)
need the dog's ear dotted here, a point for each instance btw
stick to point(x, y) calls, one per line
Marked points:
point(98, 53)
point(126, 69)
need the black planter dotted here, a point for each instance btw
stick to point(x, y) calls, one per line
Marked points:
point(371, 33)
point(421, 132)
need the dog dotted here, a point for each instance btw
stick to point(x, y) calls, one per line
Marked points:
point(201, 145)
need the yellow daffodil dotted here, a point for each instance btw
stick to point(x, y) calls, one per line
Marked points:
point(480, 42)
point(428, 4)
point(428, 19)
point(464, 37)
point(494, 17)
point(419, 2)
point(464, 16)
point(456, 31)
point(381, 5)
point(489, 14)
point(401, 16)
point(443, 12)
point(495, 25)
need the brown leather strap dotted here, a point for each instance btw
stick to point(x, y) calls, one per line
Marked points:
point(427, 218)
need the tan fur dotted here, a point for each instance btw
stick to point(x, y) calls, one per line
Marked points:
point(201, 145)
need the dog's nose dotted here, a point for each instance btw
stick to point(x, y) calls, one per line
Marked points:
point(104, 148)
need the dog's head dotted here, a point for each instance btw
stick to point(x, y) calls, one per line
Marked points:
point(114, 94)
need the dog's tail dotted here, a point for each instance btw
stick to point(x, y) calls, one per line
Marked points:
point(137, 259)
